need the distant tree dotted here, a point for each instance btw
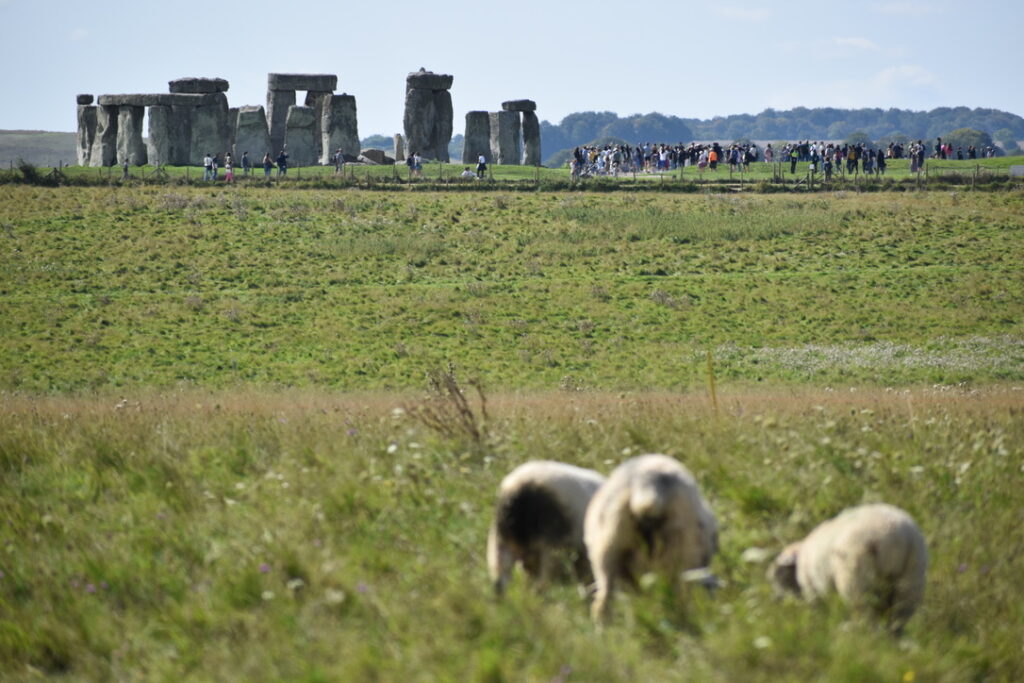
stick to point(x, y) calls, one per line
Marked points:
point(837, 130)
point(858, 137)
point(1007, 140)
point(965, 137)
point(377, 142)
point(895, 137)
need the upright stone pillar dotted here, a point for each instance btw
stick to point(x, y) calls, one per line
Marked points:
point(209, 128)
point(300, 136)
point(478, 137)
point(530, 129)
point(232, 130)
point(428, 114)
point(278, 103)
point(130, 145)
point(399, 148)
point(179, 130)
point(338, 127)
point(158, 144)
point(531, 139)
point(104, 146)
point(86, 128)
point(505, 138)
point(251, 135)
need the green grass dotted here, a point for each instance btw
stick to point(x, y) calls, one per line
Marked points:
point(318, 536)
point(210, 466)
point(365, 290)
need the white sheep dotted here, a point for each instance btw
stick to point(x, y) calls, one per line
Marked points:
point(648, 516)
point(540, 513)
point(873, 556)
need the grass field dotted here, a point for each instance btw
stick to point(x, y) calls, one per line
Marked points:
point(212, 468)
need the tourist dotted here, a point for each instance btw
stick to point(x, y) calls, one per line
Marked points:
point(794, 156)
point(215, 165)
point(268, 164)
point(246, 165)
point(466, 173)
point(481, 165)
point(124, 169)
point(713, 158)
point(282, 163)
point(207, 166)
point(339, 161)
point(229, 169)
point(769, 153)
point(417, 164)
point(410, 162)
point(880, 162)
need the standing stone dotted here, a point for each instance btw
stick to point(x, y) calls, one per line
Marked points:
point(209, 128)
point(299, 136)
point(251, 135)
point(478, 137)
point(531, 139)
point(399, 148)
point(505, 137)
point(86, 131)
point(158, 144)
point(338, 127)
point(130, 145)
point(318, 100)
point(232, 130)
point(419, 120)
point(104, 146)
point(443, 115)
point(179, 131)
point(278, 102)
point(428, 114)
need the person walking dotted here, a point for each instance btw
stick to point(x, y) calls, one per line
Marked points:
point(246, 165)
point(481, 166)
point(282, 164)
point(207, 166)
point(229, 169)
point(268, 164)
point(339, 161)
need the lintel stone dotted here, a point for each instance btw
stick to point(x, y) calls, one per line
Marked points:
point(197, 85)
point(319, 82)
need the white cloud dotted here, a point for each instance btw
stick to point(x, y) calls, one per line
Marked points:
point(904, 9)
point(907, 75)
point(859, 43)
point(741, 13)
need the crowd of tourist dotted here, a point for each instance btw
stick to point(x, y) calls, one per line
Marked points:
point(824, 157)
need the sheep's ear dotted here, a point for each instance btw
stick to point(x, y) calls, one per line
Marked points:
point(783, 571)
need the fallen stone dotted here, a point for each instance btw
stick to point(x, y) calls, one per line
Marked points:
point(519, 105)
point(197, 85)
point(321, 82)
point(84, 99)
point(477, 137)
point(377, 156)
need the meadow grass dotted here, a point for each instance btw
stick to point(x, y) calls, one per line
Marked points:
point(211, 466)
point(311, 535)
point(366, 290)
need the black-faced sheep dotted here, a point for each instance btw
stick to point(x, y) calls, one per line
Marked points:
point(873, 556)
point(540, 513)
point(648, 516)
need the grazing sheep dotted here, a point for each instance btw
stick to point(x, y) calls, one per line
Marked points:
point(874, 556)
point(648, 516)
point(540, 511)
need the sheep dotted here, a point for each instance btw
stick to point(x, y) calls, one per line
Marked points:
point(648, 516)
point(540, 512)
point(873, 556)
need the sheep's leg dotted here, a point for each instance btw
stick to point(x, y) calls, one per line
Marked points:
point(500, 560)
point(606, 569)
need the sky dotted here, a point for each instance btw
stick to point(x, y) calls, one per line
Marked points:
point(688, 58)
